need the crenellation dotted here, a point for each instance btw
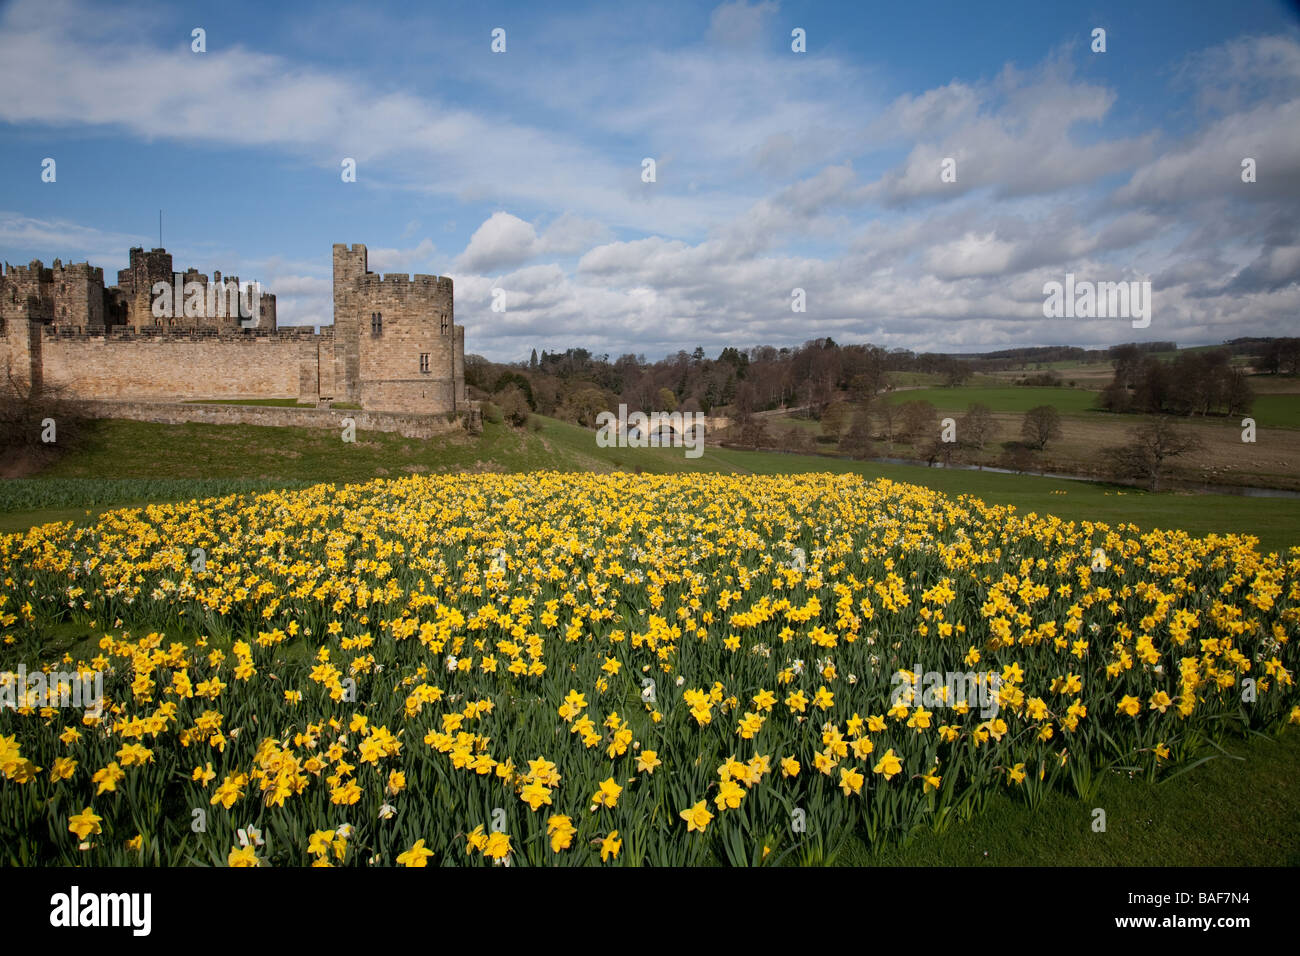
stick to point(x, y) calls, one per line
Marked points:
point(393, 346)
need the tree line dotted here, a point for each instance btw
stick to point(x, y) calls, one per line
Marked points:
point(1193, 383)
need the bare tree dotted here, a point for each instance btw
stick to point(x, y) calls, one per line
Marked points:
point(887, 412)
point(1018, 457)
point(976, 428)
point(37, 421)
point(920, 421)
point(1150, 447)
point(857, 441)
point(797, 439)
point(939, 450)
point(1041, 424)
point(753, 432)
point(836, 419)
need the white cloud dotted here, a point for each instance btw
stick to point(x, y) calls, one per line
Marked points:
point(775, 171)
point(738, 24)
point(505, 240)
point(422, 257)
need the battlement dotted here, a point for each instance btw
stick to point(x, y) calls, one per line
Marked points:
point(153, 262)
point(125, 333)
point(83, 271)
point(33, 270)
point(403, 281)
point(39, 271)
point(393, 345)
point(194, 275)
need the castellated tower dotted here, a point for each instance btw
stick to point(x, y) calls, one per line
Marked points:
point(349, 266)
point(394, 347)
point(397, 346)
point(137, 280)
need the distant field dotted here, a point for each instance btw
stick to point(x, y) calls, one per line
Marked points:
point(1277, 410)
point(1095, 375)
point(1062, 366)
point(1275, 384)
point(125, 460)
point(927, 379)
point(1068, 401)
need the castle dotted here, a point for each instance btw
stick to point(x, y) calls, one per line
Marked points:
point(180, 337)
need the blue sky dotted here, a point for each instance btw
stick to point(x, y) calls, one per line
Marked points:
point(775, 170)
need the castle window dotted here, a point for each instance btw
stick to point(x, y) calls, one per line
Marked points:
point(424, 361)
point(444, 325)
point(376, 323)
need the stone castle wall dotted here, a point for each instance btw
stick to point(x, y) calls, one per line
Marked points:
point(394, 345)
point(409, 426)
point(181, 367)
point(349, 266)
point(407, 362)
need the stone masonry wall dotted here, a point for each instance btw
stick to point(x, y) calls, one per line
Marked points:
point(416, 327)
point(104, 343)
point(180, 367)
point(349, 266)
point(409, 426)
point(78, 292)
point(20, 351)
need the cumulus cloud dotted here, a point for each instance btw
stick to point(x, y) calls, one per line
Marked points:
point(1015, 136)
point(421, 257)
point(505, 240)
point(787, 173)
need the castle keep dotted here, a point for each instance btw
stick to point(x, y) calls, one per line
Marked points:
point(394, 345)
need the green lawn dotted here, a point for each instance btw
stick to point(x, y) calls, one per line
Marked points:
point(1012, 398)
point(1226, 812)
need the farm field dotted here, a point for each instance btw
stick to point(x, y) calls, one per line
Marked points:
point(1071, 401)
point(580, 669)
point(1280, 409)
point(1271, 461)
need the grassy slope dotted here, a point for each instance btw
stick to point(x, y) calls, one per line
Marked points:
point(1226, 812)
point(275, 456)
point(1217, 813)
